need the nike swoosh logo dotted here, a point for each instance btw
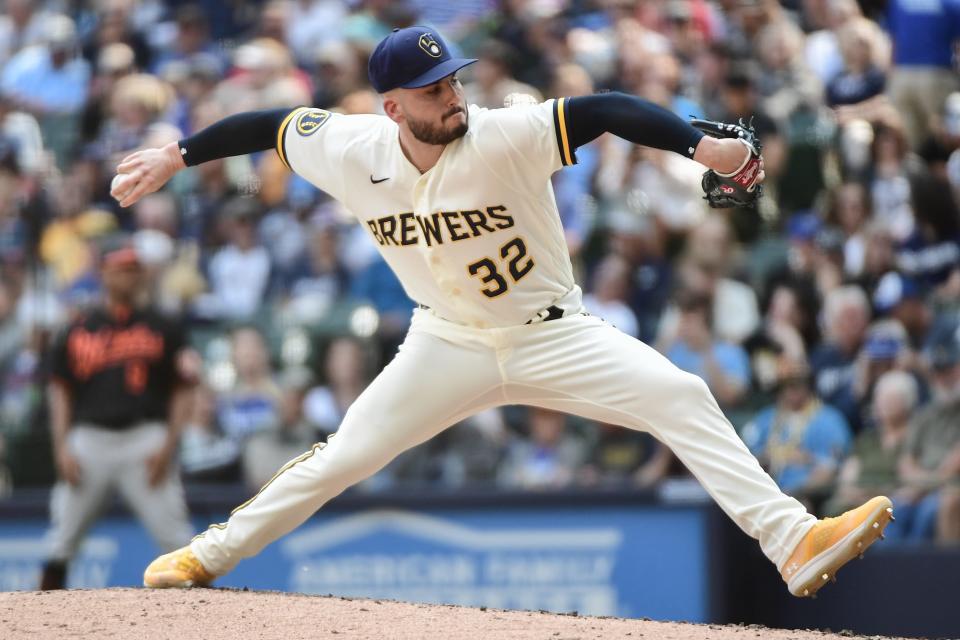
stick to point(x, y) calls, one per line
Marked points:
point(377, 181)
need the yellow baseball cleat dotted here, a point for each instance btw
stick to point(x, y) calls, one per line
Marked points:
point(832, 543)
point(178, 569)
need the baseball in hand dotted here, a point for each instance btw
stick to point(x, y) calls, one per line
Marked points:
point(121, 185)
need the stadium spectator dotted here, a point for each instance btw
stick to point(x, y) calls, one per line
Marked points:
point(24, 370)
point(823, 53)
point(206, 454)
point(688, 28)
point(739, 98)
point(194, 82)
point(608, 295)
point(11, 335)
point(338, 72)
point(472, 451)
point(884, 350)
point(871, 468)
point(492, 80)
point(69, 244)
point(239, 272)
point(894, 168)
point(191, 36)
point(707, 75)
point(313, 26)
point(264, 77)
point(50, 81)
point(346, 373)
point(901, 300)
point(846, 315)
point(548, 458)
point(664, 77)
point(863, 77)
point(113, 63)
point(273, 21)
point(930, 464)
point(923, 74)
point(694, 348)
point(634, 236)
point(267, 450)
point(799, 263)
point(213, 185)
point(573, 189)
point(948, 520)
point(114, 26)
point(828, 259)
point(13, 226)
point(848, 209)
point(21, 133)
point(800, 440)
point(467, 454)
point(665, 183)
point(707, 269)
point(620, 457)
point(251, 403)
point(21, 26)
point(376, 284)
point(320, 279)
point(136, 104)
point(931, 251)
point(786, 331)
point(878, 255)
point(787, 84)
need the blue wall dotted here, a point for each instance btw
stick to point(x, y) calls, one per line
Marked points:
point(605, 560)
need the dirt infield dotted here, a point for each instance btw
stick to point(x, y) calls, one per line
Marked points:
point(221, 614)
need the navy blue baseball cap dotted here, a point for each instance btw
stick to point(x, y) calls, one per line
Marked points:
point(410, 58)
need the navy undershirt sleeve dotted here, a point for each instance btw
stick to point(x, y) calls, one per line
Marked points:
point(631, 118)
point(235, 135)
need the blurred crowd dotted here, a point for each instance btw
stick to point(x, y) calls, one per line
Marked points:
point(824, 321)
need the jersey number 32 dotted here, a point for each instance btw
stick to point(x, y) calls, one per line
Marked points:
point(518, 263)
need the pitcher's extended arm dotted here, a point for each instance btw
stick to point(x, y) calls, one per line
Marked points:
point(146, 171)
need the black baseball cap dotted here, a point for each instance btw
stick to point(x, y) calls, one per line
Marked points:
point(410, 58)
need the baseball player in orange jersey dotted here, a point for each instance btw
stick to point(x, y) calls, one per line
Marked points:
point(458, 200)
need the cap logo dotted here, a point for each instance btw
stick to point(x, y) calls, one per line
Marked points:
point(310, 121)
point(430, 45)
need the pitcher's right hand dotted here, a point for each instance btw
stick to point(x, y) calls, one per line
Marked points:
point(144, 172)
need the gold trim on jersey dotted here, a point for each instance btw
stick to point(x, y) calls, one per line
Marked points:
point(563, 132)
point(281, 132)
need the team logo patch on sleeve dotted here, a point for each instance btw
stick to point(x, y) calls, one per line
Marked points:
point(430, 45)
point(310, 121)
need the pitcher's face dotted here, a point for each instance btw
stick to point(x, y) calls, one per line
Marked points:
point(435, 114)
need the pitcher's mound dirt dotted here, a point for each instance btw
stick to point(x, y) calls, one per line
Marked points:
point(220, 614)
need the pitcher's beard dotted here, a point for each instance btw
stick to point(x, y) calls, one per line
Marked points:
point(429, 133)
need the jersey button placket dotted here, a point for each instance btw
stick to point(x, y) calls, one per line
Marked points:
point(444, 273)
point(441, 273)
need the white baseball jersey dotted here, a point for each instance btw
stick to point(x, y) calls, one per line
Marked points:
point(477, 238)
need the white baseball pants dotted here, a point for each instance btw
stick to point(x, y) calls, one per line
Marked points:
point(579, 364)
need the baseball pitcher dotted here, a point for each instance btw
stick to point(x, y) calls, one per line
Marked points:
point(459, 202)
